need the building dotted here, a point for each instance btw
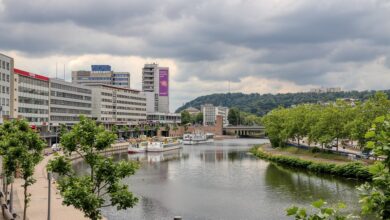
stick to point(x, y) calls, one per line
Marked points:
point(101, 74)
point(116, 105)
point(324, 90)
point(155, 85)
point(30, 98)
point(165, 118)
point(210, 113)
point(67, 102)
point(192, 111)
point(6, 70)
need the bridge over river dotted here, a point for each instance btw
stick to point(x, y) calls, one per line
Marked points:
point(244, 130)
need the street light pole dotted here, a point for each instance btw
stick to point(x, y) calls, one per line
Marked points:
point(49, 195)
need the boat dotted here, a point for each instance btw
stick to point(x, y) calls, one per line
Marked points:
point(198, 138)
point(139, 147)
point(165, 145)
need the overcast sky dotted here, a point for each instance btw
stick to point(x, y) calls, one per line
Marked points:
point(265, 46)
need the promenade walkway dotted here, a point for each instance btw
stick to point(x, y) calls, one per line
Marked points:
point(37, 209)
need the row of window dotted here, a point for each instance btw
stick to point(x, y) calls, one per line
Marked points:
point(70, 96)
point(35, 82)
point(37, 119)
point(4, 102)
point(121, 79)
point(131, 97)
point(64, 118)
point(70, 111)
point(33, 91)
point(120, 75)
point(70, 88)
point(69, 103)
point(5, 65)
point(130, 103)
point(33, 110)
point(106, 94)
point(34, 101)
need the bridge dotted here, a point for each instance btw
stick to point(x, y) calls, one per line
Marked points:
point(244, 130)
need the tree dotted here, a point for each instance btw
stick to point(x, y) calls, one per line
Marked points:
point(321, 212)
point(102, 186)
point(147, 129)
point(21, 148)
point(137, 130)
point(185, 117)
point(375, 197)
point(199, 118)
point(234, 116)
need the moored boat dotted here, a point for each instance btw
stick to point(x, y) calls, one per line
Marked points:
point(198, 138)
point(137, 147)
point(165, 145)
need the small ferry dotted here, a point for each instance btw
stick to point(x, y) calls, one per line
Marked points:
point(198, 138)
point(139, 147)
point(164, 145)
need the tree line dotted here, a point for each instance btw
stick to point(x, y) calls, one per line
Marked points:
point(329, 124)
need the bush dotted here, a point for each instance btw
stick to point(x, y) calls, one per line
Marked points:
point(350, 170)
point(315, 150)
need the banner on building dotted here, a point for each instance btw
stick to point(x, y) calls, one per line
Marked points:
point(164, 82)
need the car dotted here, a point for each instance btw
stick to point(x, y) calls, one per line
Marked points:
point(56, 147)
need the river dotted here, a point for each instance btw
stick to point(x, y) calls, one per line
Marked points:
point(223, 181)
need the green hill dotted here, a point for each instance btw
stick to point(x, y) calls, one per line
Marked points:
point(261, 104)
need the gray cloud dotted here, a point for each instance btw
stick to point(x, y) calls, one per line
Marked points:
point(303, 42)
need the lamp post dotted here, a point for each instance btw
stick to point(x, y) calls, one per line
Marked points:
point(49, 195)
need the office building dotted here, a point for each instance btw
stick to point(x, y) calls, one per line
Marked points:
point(116, 105)
point(30, 98)
point(67, 102)
point(101, 74)
point(164, 118)
point(155, 85)
point(210, 113)
point(6, 69)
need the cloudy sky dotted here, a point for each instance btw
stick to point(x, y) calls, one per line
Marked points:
point(265, 46)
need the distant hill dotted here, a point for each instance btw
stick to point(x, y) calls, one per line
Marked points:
point(261, 104)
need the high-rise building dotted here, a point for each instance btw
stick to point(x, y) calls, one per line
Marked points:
point(101, 74)
point(210, 113)
point(6, 70)
point(155, 85)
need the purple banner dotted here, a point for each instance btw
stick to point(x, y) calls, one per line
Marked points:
point(164, 82)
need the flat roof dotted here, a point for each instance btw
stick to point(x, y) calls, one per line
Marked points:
point(31, 75)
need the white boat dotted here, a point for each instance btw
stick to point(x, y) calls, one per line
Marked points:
point(160, 146)
point(137, 147)
point(198, 138)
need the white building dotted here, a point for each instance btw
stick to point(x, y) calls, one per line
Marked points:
point(155, 85)
point(116, 105)
point(30, 98)
point(210, 113)
point(101, 74)
point(165, 118)
point(6, 69)
point(68, 101)
point(324, 90)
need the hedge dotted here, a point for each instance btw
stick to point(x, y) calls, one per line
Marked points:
point(350, 170)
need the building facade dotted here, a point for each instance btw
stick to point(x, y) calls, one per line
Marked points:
point(30, 98)
point(165, 118)
point(210, 113)
point(101, 74)
point(116, 105)
point(155, 85)
point(6, 70)
point(67, 102)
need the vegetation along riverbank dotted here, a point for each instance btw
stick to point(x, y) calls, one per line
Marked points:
point(349, 170)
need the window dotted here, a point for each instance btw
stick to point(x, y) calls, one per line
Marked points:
point(7, 78)
point(7, 66)
point(3, 77)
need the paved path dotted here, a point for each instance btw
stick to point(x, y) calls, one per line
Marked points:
point(37, 209)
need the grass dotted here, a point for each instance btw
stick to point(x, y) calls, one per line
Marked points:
point(309, 153)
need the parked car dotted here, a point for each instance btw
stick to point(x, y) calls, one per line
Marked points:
point(56, 147)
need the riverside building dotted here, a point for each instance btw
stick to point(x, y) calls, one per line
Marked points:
point(30, 98)
point(67, 102)
point(116, 105)
point(155, 85)
point(101, 74)
point(6, 69)
point(210, 113)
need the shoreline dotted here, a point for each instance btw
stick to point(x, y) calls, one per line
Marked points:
point(355, 170)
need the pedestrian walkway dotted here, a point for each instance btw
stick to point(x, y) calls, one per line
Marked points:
point(37, 209)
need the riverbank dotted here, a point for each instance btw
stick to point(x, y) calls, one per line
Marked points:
point(334, 165)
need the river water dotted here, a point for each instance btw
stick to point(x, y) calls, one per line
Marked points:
point(222, 181)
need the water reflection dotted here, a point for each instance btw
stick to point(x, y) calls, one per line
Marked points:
point(221, 181)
